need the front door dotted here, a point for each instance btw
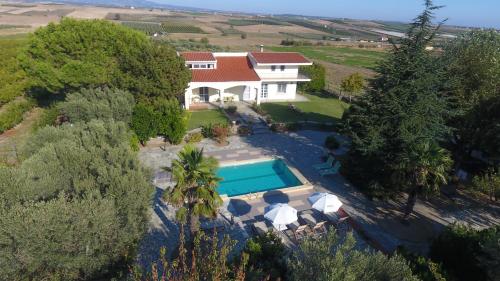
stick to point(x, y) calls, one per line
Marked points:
point(247, 93)
point(204, 94)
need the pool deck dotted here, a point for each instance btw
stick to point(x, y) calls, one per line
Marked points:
point(379, 220)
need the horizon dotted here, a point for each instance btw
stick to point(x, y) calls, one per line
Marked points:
point(464, 13)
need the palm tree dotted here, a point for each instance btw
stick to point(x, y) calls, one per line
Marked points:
point(195, 191)
point(423, 168)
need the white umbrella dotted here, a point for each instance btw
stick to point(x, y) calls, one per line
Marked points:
point(325, 202)
point(280, 215)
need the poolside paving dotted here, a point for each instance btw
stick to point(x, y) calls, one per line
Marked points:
point(378, 220)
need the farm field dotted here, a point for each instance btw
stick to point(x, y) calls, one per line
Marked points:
point(339, 55)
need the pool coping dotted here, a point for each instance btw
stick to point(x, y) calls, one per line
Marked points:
point(305, 184)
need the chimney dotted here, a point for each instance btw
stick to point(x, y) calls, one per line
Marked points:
point(262, 48)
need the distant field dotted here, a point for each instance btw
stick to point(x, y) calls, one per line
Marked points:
point(149, 28)
point(338, 55)
point(9, 26)
point(311, 25)
point(171, 27)
point(142, 17)
point(229, 31)
point(308, 36)
point(245, 22)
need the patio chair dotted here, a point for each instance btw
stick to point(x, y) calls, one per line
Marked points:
point(319, 228)
point(332, 171)
point(325, 165)
point(260, 228)
point(299, 231)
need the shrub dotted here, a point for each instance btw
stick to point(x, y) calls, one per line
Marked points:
point(220, 133)
point(317, 73)
point(231, 109)
point(172, 119)
point(292, 127)
point(266, 257)
point(204, 40)
point(468, 254)
point(278, 127)
point(144, 122)
point(194, 137)
point(48, 117)
point(257, 108)
point(13, 112)
point(207, 130)
point(331, 142)
point(243, 36)
point(134, 142)
point(105, 104)
point(244, 131)
point(488, 183)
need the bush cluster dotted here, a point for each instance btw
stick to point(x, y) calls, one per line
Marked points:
point(163, 117)
point(76, 206)
point(194, 137)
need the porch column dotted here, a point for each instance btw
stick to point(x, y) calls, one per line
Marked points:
point(187, 98)
point(257, 90)
point(221, 97)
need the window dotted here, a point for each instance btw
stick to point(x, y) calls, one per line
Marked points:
point(264, 91)
point(196, 66)
point(190, 66)
point(282, 68)
point(203, 66)
point(273, 68)
point(282, 88)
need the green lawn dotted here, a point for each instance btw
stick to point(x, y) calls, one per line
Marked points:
point(317, 109)
point(199, 118)
point(338, 55)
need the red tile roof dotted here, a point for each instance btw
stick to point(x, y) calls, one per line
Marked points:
point(198, 56)
point(269, 57)
point(228, 69)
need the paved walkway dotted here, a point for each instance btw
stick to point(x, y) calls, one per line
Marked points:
point(380, 221)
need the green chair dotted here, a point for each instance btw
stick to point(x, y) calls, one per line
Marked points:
point(332, 171)
point(328, 164)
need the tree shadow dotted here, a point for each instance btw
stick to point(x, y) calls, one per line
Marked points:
point(239, 207)
point(276, 196)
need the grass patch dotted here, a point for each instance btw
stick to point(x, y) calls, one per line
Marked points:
point(13, 112)
point(204, 117)
point(318, 109)
point(338, 55)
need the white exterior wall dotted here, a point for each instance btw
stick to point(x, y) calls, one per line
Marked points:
point(265, 72)
point(273, 94)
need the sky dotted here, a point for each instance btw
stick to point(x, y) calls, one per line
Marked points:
point(480, 13)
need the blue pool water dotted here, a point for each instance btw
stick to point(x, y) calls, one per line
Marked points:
point(256, 177)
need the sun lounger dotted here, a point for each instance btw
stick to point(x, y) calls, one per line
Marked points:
point(260, 228)
point(325, 165)
point(332, 171)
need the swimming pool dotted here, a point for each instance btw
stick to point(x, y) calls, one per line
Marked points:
point(255, 177)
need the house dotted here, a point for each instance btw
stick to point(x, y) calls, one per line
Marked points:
point(246, 76)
